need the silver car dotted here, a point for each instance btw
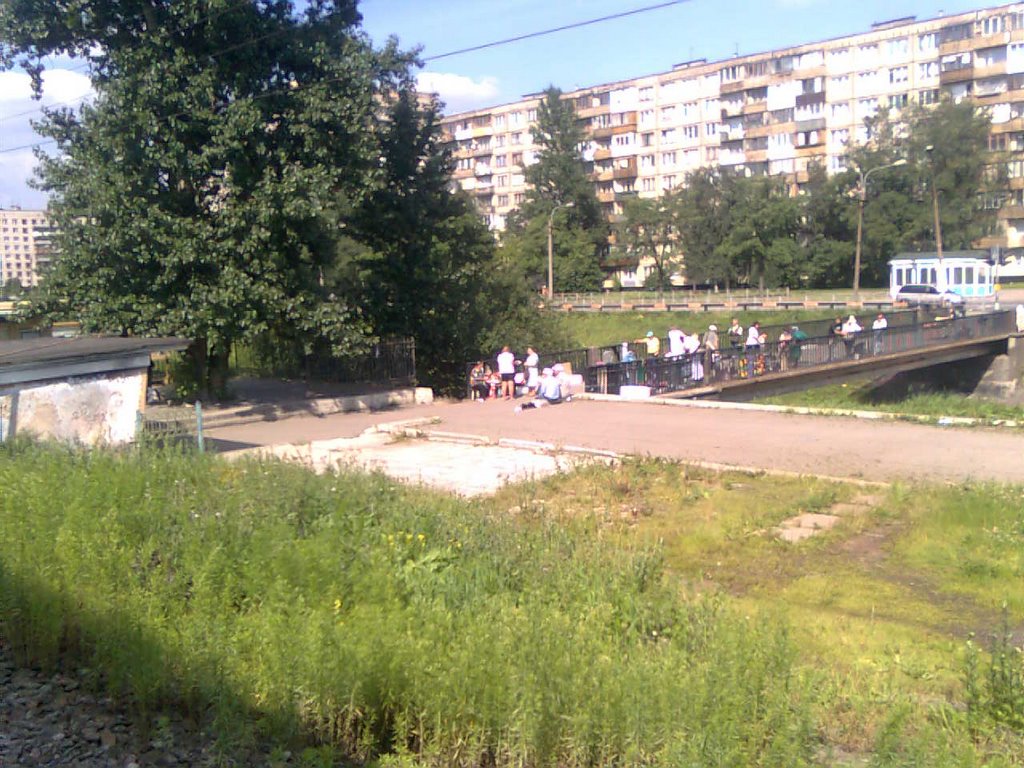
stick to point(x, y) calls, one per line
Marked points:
point(928, 295)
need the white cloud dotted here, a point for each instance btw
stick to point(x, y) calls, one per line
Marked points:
point(17, 110)
point(59, 85)
point(459, 92)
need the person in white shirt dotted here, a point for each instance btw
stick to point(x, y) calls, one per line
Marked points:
point(850, 330)
point(531, 362)
point(675, 342)
point(878, 332)
point(690, 346)
point(507, 371)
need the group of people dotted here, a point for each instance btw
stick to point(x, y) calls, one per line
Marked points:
point(845, 335)
point(511, 375)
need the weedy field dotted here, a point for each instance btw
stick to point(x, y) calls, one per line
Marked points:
point(644, 614)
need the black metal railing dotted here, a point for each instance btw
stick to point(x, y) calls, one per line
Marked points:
point(708, 367)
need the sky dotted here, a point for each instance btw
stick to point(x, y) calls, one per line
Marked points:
point(644, 43)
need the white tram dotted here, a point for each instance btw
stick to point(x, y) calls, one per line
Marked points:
point(968, 273)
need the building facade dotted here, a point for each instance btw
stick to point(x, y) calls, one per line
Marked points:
point(25, 246)
point(774, 113)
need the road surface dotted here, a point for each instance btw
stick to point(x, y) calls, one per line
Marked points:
point(833, 446)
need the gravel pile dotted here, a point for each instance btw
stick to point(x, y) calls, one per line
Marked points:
point(50, 720)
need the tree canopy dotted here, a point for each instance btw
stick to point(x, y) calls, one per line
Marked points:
point(251, 172)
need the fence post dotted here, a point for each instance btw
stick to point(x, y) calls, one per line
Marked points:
point(199, 427)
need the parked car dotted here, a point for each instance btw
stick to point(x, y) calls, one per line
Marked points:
point(928, 295)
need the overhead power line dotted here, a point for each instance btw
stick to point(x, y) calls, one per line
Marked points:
point(294, 89)
point(553, 30)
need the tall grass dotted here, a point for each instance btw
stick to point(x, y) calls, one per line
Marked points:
point(379, 620)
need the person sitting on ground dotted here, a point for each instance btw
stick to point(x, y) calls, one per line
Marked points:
point(549, 393)
point(478, 380)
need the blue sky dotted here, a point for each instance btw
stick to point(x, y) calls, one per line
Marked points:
point(641, 44)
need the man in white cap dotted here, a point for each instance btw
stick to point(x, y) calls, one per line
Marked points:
point(548, 393)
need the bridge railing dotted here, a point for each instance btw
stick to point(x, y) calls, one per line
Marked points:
point(710, 367)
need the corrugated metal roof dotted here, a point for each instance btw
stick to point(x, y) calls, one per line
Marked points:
point(49, 350)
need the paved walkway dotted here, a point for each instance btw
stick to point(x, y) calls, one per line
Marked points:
point(835, 446)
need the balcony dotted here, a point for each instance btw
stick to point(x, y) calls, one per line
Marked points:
point(960, 75)
point(603, 153)
point(755, 107)
point(604, 132)
point(606, 197)
point(603, 175)
point(626, 172)
point(482, 169)
point(602, 109)
point(480, 150)
point(734, 87)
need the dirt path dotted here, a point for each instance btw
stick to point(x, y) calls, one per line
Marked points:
point(840, 447)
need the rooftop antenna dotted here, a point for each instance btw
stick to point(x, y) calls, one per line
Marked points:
point(735, 49)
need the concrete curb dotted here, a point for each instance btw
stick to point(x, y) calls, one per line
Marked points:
point(214, 418)
point(942, 421)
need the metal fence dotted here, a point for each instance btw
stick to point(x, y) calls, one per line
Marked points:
point(391, 362)
point(708, 367)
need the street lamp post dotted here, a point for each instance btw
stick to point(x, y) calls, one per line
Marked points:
point(862, 197)
point(938, 223)
point(551, 249)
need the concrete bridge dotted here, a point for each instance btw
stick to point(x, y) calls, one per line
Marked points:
point(990, 341)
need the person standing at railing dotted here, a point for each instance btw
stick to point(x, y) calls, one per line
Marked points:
point(753, 348)
point(675, 342)
point(796, 344)
point(711, 348)
point(735, 333)
point(785, 340)
point(691, 345)
point(878, 333)
point(652, 342)
point(851, 330)
point(835, 336)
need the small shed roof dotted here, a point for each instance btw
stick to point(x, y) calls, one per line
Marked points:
point(83, 349)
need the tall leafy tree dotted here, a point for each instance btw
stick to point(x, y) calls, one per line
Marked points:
point(649, 231)
point(703, 209)
point(201, 193)
point(558, 179)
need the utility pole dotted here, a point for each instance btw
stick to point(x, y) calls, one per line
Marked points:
point(551, 250)
point(862, 197)
point(938, 222)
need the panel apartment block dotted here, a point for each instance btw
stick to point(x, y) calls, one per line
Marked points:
point(25, 249)
point(767, 113)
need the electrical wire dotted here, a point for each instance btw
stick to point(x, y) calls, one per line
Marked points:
point(293, 89)
point(553, 30)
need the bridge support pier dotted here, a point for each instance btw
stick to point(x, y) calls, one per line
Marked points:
point(1004, 378)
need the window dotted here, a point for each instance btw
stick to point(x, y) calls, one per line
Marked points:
point(647, 185)
point(624, 140)
point(898, 101)
point(927, 69)
point(668, 114)
point(668, 136)
point(841, 136)
point(711, 129)
point(499, 141)
point(517, 158)
point(647, 117)
point(647, 162)
point(928, 97)
point(502, 180)
point(729, 74)
point(691, 132)
point(898, 75)
point(993, 25)
point(839, 82)
point(899, 46)
point(646, 139)
point(668, 182)
point(841, 111)
point(500, 161)
point(647, 93)
point(668, 158)
point(502, 200)
point(531, 115)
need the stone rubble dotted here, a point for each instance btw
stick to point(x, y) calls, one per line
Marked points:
point(51, 720)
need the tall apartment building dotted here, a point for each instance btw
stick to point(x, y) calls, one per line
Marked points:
point(25, 246)
point(767, 113)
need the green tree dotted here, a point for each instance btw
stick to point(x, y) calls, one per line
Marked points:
point(648, 230)
point(828, 228)
point(763, 214)
point(558, 179)
point(703, 209)
point(202, 192)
